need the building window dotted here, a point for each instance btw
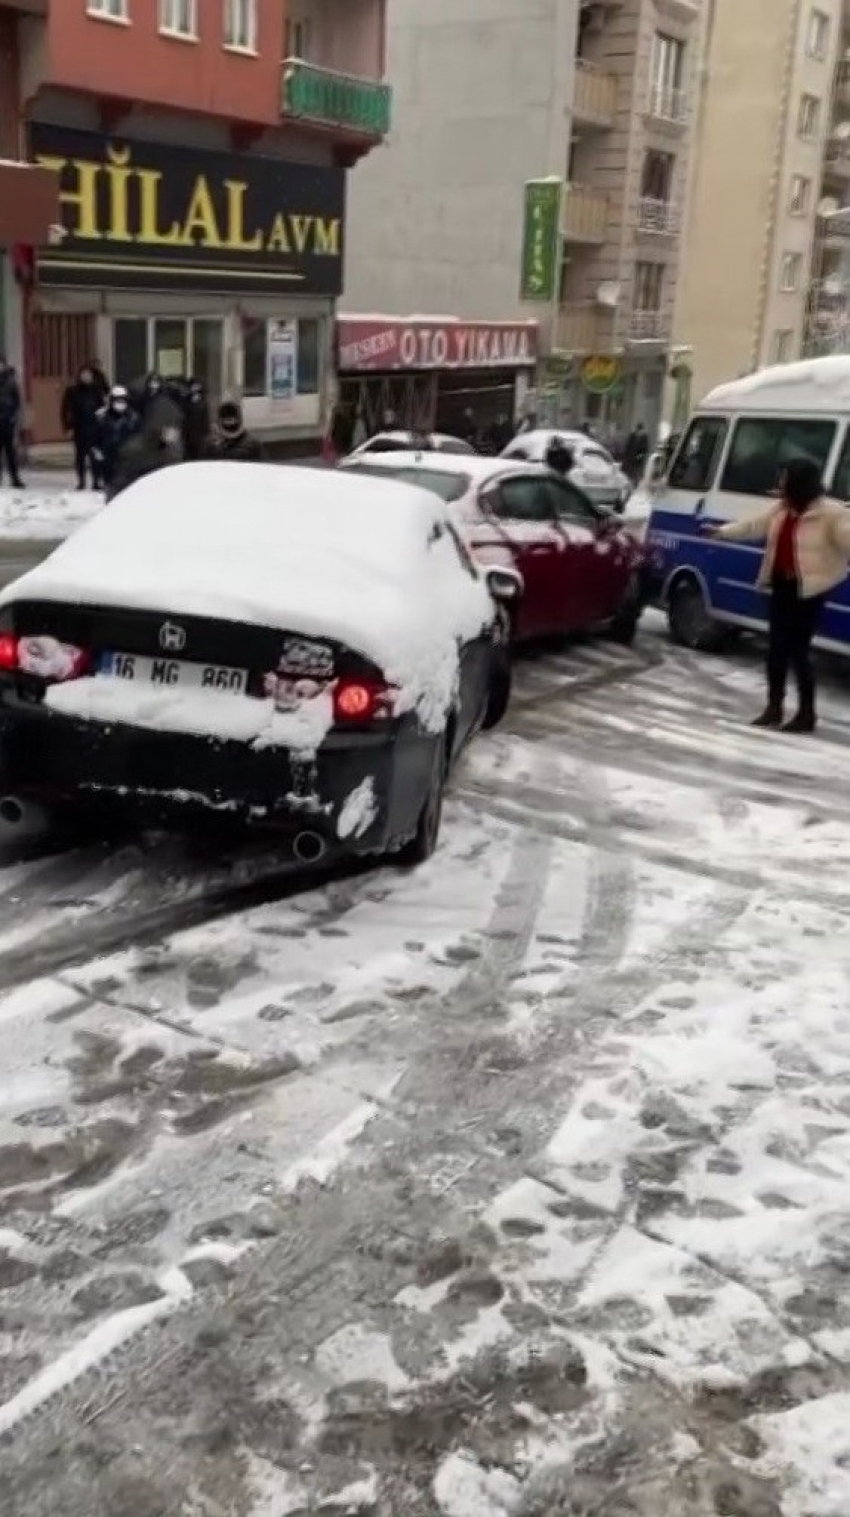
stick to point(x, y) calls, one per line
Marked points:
point(762, 446)
point(296, 42)
point(240, 25)
point(817, 39)
point(808, 121)
point(179, 18)
point(801, 190)
point(781, 346)
point(308, 362)
point(792, 267)
point(109, 10)
point(668, 68)
point(175, 346)
point(649, 284)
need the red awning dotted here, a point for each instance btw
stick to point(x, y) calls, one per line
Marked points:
point(29, 203)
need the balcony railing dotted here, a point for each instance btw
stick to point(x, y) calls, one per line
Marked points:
point(594, 95)
point(585, 215)
point(577, 328)
point(657, 216)
point(648, 326)
point(311, 93)
point(666, 103)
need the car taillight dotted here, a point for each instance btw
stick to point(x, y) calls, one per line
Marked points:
point(45, 657)
point(358, 702)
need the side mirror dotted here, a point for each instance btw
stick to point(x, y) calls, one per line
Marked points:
point(505, 586)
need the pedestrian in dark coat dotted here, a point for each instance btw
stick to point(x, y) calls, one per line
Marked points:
point(500, 434)
point(117, 422)
point(232, 440)
point(196, 421)
point(150, 449)
point(10, 415)
point(636, 452)
point(80, 405)
point(101, 382)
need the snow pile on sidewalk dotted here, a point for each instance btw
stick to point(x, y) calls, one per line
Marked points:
point(47, 509)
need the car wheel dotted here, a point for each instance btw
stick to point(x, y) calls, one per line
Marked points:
point(423, 844)
point(624, 624)
point(499, 695)
point(690, 621)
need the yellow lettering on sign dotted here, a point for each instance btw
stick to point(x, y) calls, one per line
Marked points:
point(118, 175)
point(278, 238)
point(149, 181)
point(327, 237)
point(236, 240)
point(82, 200)
point(201, 217)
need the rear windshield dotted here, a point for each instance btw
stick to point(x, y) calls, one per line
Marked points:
point(449, 487)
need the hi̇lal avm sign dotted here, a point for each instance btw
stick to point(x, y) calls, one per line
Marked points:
point(148, 215)
point(370, 344)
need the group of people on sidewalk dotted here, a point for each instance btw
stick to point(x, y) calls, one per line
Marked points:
point(121, 434)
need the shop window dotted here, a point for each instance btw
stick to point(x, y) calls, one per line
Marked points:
point(762, 446)
point(207, 353)
point(256, 356)
point(129, 349)
point(170, 347)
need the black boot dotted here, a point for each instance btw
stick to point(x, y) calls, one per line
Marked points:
point(770, 717)
point(804, 721)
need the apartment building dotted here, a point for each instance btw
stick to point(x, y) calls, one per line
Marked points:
point(201, 149)
point(596, 94)
point(29, 196)
point(771, 156)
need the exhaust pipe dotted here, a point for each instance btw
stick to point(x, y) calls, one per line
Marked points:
point(11, 811)
point(308, 847)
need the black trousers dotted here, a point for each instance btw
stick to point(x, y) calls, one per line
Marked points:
point(84, 457)
point(8, 451)
point(793, 623)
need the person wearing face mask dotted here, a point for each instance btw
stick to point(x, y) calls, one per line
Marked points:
point(116, 423)
point(80, 405)
point(196, 420)
point(806, 554)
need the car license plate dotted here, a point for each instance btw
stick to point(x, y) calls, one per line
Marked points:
point(173, 673)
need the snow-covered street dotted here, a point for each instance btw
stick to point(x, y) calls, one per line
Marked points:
point(516, 1186)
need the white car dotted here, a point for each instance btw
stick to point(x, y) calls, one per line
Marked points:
point(595, 471)
point(405, 442)
point(300, 649)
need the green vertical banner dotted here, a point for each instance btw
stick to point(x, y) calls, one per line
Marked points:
point(541, 239)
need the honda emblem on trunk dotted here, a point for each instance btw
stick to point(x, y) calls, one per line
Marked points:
point(172, 639)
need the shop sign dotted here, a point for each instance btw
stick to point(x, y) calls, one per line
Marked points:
point(282, 348)
point(541, 236)
point(600, 374)
point(374, 344)
point(147, 215)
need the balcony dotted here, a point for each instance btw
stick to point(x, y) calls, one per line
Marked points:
point(836, 162)
point(594, 96)
point(342, 101)
point(585, 215)
point(657, 218)
point(577, 328)
point(648, 326)
point(668, 105)
point(842, 87)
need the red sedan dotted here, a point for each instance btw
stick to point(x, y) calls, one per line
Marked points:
point(580, 569)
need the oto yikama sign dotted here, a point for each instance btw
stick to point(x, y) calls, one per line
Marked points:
point(372, 343)
point(146, 215)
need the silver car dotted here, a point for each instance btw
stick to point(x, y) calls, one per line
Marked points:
point(595, 471)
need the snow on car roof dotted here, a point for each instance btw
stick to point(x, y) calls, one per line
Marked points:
point(474, 466)
point(813, 384)
point(311, 550)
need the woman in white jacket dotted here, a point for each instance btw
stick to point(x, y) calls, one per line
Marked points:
point(807, 551)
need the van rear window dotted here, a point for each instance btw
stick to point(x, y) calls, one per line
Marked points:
point(762, 446)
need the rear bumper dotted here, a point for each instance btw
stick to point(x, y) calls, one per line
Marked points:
point(174, 779)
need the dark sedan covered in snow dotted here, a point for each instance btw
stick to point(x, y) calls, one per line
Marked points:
point(289, 647)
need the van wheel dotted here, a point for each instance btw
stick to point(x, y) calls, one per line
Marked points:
point(423, 845)
point(690, 621)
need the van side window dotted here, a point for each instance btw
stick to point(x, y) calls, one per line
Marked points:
point(841, 479)
point(763, 445)
point(695, 464)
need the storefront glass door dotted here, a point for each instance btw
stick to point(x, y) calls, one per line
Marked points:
point(174, 346)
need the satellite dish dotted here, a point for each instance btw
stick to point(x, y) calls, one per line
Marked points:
point(608, 294)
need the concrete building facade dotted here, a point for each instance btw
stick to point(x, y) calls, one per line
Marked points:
point(769, 151)
point(489, 94)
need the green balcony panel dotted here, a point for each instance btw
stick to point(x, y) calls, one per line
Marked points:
point(317, 94)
